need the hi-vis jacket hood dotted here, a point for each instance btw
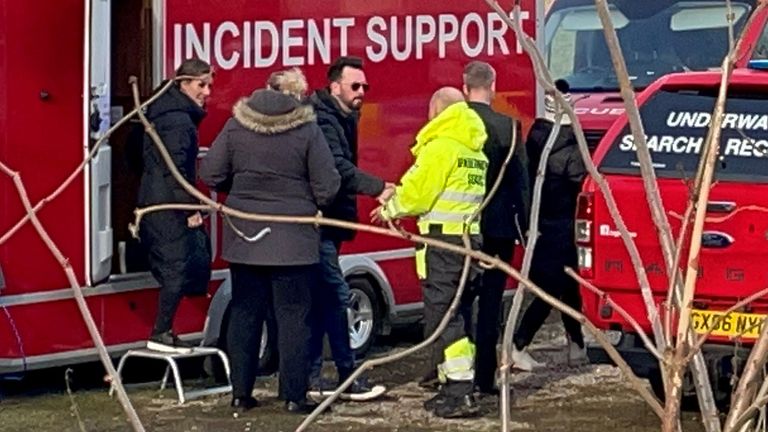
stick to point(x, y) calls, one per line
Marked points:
point(459, 123)
point(446, 183)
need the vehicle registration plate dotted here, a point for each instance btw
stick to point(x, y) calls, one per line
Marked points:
point(746, 325)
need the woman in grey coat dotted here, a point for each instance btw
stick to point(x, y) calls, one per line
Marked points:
point(271, 158)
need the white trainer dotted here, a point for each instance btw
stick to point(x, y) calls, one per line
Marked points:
point(577, 356)
point(524, 362)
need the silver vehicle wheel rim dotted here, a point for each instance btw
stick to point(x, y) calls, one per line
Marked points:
point(264, 341)
point(360, 315)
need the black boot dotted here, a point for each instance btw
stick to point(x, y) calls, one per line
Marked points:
point(243, 404)
point(461, 407)
point(168, 342)
point(458, 400)
point(435, 401)
point(302, 407)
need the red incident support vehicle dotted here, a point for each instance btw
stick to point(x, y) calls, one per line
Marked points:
point(676, 112)
point(62, 86)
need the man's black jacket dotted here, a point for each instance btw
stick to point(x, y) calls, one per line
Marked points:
point(506, 216)
point(340, 130)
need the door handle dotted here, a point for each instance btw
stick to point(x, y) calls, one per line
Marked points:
point(720, 206)
point(716, 240)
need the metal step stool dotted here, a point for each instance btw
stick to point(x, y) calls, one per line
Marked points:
point(174, 368)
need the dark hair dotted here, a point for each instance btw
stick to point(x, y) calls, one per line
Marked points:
point(193, 67)
point(479, 74)
point(562, 86)
point(338, 65)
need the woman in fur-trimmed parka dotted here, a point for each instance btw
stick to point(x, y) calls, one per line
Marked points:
point(271, 158)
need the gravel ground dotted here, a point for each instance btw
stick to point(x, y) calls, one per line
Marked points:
point(588, 398)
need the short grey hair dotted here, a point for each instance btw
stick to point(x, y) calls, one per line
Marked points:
point(479, 75)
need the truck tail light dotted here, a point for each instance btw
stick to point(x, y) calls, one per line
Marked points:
point(585, 233)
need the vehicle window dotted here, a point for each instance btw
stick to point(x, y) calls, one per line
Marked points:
point(676, 124)
point(561, 53)
point(761, 50)
point(657, 38)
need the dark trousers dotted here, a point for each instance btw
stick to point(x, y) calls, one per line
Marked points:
point(489, 301)
point(439, 289)
point(548, 274)
point(254, 290)
point(167, 304)
point(329, 314)
point(179, 258)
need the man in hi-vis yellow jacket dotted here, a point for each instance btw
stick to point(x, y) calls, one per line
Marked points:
point(444, 188)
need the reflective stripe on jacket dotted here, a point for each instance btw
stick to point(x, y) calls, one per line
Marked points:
point(446, 183)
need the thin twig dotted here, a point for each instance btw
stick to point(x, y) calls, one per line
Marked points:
point(671, 301)
point(448, 315)
point(746, 330)
point(477, 255)
point(72, 403)
point(621, 311)
point(544, 78)
point(152, 133)
point(600, 338)
point(719, 318)
point(745, 391)
point(760, 401)
point(125, 402)
point(730, 18)
point(530, 246)
point(40, 204)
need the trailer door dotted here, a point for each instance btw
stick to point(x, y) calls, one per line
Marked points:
point(100, 173)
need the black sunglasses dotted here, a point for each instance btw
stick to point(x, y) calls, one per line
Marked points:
point(355, 86)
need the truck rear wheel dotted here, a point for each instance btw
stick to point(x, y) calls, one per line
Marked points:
point(365, 315)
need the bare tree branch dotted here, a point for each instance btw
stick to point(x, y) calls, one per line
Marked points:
point(495, 262)
point(647, 172)
point(530, 246)
point(477, 255)
point(122, 396)
point(746, 389)
point(545, 79)
point(40, 204)
point(719, 318)
point(621, 311)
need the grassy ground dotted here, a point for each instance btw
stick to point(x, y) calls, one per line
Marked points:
point(590, 398)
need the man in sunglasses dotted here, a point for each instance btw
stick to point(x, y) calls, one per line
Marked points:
point(338, 110)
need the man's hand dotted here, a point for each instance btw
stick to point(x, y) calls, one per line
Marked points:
point(376, 217)
point(389, 190)
point(195, 220)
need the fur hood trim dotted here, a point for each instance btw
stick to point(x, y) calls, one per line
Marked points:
point(271, 124)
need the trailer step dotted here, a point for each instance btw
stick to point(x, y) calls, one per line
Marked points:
point(173, 368)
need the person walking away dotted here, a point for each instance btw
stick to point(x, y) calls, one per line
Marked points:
point(504, 219)
point(272, 158)
point(338, 112)
point(444, 188)
point(178, 248)
point(556, 247)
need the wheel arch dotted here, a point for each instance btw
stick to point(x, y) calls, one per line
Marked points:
point(216, 311)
